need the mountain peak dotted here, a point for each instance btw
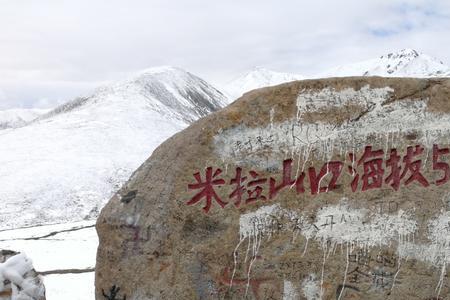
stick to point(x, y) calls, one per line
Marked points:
point(85, 149)
point(404, 53)
point(257, 77)
point(168, 90)
point(403, 63)
point(160, 70)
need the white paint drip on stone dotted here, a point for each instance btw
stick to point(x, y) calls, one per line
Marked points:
point(341, 224)
point(251, 224)
point(386, 121)
point(345, 273)
point(441, 280)
point(255, 249)
point(311, 288)
point(352, 227)
point(235, 255)
point(437, 251)
point(289, 291)
point(327, 97)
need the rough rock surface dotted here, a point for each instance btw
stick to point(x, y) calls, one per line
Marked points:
point(316, 189)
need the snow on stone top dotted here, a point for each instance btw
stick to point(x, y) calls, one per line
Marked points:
point(258, 77)
point(404, 63)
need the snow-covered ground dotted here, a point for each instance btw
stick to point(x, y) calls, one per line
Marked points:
point(60, 248)
point(70, 286)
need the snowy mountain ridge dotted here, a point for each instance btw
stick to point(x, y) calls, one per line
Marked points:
point(169, 90)
point(65, 165)
point(403, 63)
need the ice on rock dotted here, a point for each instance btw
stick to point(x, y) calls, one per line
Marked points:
point(18, 277)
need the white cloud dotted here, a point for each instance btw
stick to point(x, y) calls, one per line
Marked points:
point(70, 44)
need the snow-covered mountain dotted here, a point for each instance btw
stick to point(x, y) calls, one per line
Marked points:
point(257, 78)
point(66, 164)
point(12, 118)
point(404, 63)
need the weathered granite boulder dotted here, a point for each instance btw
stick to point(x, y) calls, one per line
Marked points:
point(316, 189)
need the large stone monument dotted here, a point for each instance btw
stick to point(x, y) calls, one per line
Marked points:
point(316, 189)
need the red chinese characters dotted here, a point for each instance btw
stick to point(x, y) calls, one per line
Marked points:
point(286, 180)
point(334, 168)
point(207, 189)
point(393, 163)
point(442, 166)
point(372, 162)
point(371, 170)
point(412, 167)
point(252, 190)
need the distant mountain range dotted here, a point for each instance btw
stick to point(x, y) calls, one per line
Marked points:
point(63, 165)
point(13, 118)
point(404, 63)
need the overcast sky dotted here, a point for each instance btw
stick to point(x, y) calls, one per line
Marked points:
point(54, 50)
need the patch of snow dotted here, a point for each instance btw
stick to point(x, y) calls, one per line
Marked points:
point(67, 246)
point(52, 252)
point(16, 270)
point(70, 286)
